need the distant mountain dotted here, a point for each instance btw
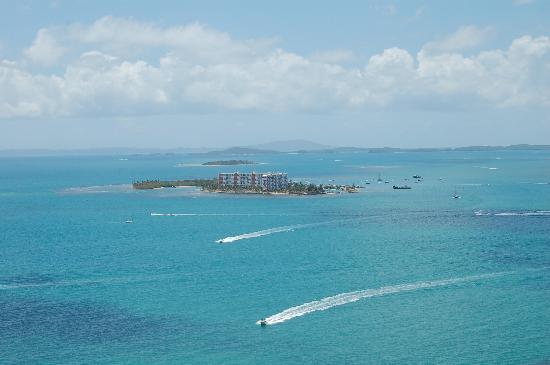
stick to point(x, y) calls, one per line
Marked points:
point(236, 151)
point(291, 146)
point(300, 146)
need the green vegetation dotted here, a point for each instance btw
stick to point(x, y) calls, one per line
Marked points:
point(205, 184)
point(300, 188)
point(229, 162)
point(211, 185)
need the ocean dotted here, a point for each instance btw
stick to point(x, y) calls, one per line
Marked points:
point(382, 276)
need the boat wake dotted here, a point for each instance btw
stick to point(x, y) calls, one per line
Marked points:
point(195, 214)
point(269, 231)
point(350, 297)
point(264, 232)
point(215, 214)
point(535, 213)
point(81, 282)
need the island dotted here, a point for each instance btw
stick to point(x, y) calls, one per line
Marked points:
point(252, 183)
point(205, 184)
point(229, 163)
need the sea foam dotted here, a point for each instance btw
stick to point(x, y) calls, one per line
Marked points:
point(264, 232)
point(350, 297)
point(83, 282)
point(533, 213)
point(273, 230)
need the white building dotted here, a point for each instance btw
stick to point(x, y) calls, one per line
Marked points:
point(274, 181)
point(269, 181)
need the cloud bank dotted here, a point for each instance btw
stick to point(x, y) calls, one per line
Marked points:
point(123, 67)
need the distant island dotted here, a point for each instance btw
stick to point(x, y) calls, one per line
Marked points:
point(229, 163)
point(280, 147)
point(205, 184)
point(214, 186)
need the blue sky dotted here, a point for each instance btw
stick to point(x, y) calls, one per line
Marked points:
point(188, 74)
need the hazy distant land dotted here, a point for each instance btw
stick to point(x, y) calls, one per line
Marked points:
point(229, 163)
point(282, 147)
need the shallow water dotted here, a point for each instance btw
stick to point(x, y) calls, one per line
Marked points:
point(382, 276)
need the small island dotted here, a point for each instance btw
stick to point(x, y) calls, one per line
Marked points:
point(205, 184)
point(253, 183)
point(229, 163)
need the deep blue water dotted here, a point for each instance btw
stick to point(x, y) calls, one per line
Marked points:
point(78, 285)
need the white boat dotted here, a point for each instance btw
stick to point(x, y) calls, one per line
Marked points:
point(455, 195)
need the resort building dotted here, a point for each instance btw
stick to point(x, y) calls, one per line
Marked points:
point(270, 181)
point(274, 181)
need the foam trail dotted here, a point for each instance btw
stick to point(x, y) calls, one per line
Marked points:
point(269, 231)
point(213, 214)
point(515, 214)
point(524, 214)
point(350, 297)
point(264, 232)
point(83, 282)
point(194, 214)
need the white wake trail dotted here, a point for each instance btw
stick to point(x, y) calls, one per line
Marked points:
point(84, 282)
point(269, 231)
point(264, 232)
point(534, 213)
point(196, 214)
point(216, 214)
point(350, 297)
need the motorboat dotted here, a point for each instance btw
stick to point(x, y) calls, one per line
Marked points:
point(402, 187)
point(263, 322)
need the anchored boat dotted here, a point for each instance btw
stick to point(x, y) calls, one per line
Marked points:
point(402, 187)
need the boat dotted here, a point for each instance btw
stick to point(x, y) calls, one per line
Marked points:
point(455, 195)
point(263, 322)
point(417, 177)
point(129, 220)
point(402, 187)
point(379, 179)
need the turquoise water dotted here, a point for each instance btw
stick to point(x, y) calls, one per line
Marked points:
point(78, 285)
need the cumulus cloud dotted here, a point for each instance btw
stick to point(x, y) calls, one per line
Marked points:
point(464, 38)
point(200, 69)
point(45, 49)
point(195, 41)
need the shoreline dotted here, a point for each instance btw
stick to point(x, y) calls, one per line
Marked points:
point(258, 192)
point(212, 186)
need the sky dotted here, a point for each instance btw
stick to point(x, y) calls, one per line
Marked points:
point(371, 73)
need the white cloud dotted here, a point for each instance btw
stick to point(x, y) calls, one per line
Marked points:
point(199, 74)
point(195, 41)
point(464, 38)
point(45, 50)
